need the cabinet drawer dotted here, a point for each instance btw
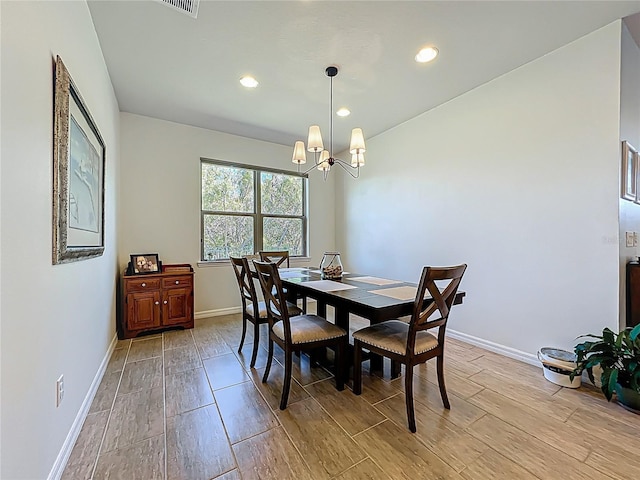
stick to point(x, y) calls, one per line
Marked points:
point(142, 284)
point(177, 282)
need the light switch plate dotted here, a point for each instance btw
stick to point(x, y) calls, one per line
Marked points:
point(629, 239)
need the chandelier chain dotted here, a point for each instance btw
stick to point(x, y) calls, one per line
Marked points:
point(331, 118)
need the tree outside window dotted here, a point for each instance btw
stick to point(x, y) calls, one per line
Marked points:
point(246, 209)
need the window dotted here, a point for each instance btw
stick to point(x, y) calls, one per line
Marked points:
point(245, 209)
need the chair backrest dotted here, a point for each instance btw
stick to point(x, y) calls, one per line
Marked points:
point(274, 297)
point(250, 258)
point(440, 306)
point(245, 283)
point(281, 259)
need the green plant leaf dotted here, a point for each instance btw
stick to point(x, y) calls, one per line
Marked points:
point(589, 335)
point(617, 354)
point(619, 341)
point(635, 332)
point(608, 336)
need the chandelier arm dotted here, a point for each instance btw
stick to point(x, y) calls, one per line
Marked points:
point(309, 169)
point(315, 164)
point(347, 167)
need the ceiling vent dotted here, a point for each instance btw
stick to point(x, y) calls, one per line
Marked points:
point(189, 7)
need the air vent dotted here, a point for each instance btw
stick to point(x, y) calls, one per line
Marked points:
point(189, 7)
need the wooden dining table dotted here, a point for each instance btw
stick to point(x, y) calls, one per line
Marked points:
point(375, 299)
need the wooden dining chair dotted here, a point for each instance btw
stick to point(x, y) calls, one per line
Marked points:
point(410, 343)
point(281, 259)
point(299, 332)
point(253, 311)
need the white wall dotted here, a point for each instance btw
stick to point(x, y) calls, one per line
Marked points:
point(517, 178)
point(56, 319)
point(160, 198)
point(629, 131)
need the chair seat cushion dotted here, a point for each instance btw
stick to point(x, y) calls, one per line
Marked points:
point(309, 328)
point(392, 337)
point(262, 310)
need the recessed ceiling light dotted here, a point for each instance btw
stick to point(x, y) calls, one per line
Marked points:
point(248, 81)
point(343, 112)
point(426, 54)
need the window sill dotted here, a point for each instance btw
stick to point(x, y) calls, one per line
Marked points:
point(294, 262)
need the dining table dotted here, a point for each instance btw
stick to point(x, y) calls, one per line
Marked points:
point(373, 298)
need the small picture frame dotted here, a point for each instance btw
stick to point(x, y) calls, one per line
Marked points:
point(630, 172)
point(145, 263)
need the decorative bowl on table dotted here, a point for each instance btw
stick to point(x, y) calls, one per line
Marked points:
point(331, 266)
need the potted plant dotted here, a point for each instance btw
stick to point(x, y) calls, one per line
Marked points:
point(619, 357)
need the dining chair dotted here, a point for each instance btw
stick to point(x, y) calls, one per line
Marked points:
point(253, 311)
point(410, 343)
point(281, 259)
point(296, 332)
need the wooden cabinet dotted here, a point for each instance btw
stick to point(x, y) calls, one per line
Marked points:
point(633, 294)
point(154, 302)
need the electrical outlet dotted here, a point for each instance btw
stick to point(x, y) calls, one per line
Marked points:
point(629, 239)
point(59, 390)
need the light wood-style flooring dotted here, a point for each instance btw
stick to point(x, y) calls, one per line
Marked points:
point(185, 405)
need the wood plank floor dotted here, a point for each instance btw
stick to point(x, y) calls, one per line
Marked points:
point(185, 405)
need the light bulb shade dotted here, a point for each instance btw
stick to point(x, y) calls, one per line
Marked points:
point(357, 141)
point(299, 155)
point(323, 161)
point(314, 143)
point(357, 159)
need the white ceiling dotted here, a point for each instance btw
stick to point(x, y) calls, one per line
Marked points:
point(168, 65)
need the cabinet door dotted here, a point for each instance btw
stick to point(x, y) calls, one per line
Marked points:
point(176, 306)
point(633, 294)
point(143, 310)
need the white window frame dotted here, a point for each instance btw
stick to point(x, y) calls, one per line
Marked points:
point(257, 215)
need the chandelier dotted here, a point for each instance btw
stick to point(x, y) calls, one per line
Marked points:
point(324, 159)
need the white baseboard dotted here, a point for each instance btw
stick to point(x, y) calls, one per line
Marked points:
point(225, 311)
point(495, 347)
point(480, 342)
point(216, 313)
point(63, 457)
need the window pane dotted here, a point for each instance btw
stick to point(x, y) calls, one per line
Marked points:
point(281, 194)
point(227, 235)
point(283, 234)
point(227, 189)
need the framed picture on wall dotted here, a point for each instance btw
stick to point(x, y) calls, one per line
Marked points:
point(78, 175)
point(629, 171)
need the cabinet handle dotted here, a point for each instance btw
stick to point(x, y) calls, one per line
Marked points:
point(177, 282)
point(157, 303)
point(144, 284)
point(165, 302)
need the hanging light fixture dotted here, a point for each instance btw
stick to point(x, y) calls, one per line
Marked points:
point(324, 159)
